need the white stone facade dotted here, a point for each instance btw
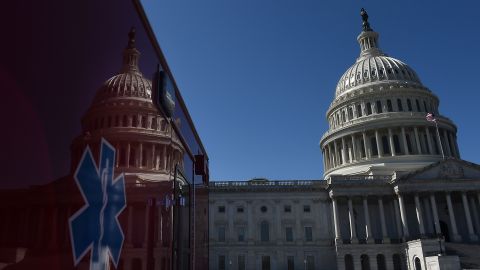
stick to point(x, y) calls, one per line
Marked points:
point(396, 193)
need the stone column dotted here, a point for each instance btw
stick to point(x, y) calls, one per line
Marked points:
point(417, 141)
point(405, 144)
point(365, 145)
point(390, 139)
point(385, 237)
point(429, 141)
point(418, 209)
point(436, 222)
point(338, 237)
point(160, 226)
point(368, 228)
point(354, 146)
point(128, 155)
point(447, 143)
point(153, 157)
point(476, 220)
point(337, 158)
point(330, 156)
point(351, 217)
point(468, 218)
point(164, 157)
point(397, 218)
point(140, 155)
point(452, 143)
point(428, 216)
point(403, 216)
point(451, 214)
point(344, 152)
point(379, 145)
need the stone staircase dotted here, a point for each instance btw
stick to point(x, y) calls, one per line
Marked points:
point(469, 254)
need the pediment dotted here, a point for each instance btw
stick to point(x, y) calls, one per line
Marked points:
point(450, 168)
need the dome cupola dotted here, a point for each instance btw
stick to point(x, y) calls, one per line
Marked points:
point(377, 119)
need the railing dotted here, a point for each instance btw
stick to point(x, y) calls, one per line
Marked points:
point(361, 177)
point(266, 183)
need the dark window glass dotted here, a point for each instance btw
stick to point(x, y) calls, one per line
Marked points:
point(389, 105)
point(386, 145)
point(241, 234)
point(221, 262)
point(241, 262)
point(221, 234)
point(369, 108)
point(400, 105)
point(263, 209)
point(350, 113)
point(373, 143)
point(308, 234)
point(289, 234)
point(359, 110)
point(240, 209)
point(287, 208)
point(310, 260)
point(290, 263)
point(425, 106)
point(306, 208)
point(409, 144)
point(379, 106)
point(409, 105)
point(264, 232)
point(221, 209)
point(265, 262)
point(418, 105)
point(396, 144)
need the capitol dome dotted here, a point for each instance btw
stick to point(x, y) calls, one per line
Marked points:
point(123, 113)
point(377, 123)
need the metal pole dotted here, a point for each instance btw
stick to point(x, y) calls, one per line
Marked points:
point(440, 141)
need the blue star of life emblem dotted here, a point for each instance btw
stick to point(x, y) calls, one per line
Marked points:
point(95, 227)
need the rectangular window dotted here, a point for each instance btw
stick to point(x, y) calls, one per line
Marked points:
point(308, 234)
point(289, 234)
point(400, 105)
point(221, 234)
point(240, 209)
point(241, 234)
point(306, 208)
point(359, 110)
point(389, 105)
point(310, 261)
point(290, 263)
point(265, 262)
point(241, 262)
point(287, 208)
point(379, 106)
point(409, 105)
point(221, 262)
point(221, 209)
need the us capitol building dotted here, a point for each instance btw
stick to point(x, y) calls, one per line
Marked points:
point(396, 193)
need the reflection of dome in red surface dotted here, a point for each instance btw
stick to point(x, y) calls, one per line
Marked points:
point(123, 113)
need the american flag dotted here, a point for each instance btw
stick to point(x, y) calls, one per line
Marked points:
point(431, 117)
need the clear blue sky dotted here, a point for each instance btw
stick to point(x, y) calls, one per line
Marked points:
point(259, 75)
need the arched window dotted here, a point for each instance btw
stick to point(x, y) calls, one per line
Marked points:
point(369, 108)
point(264, 232)
point(418, 264)
point(117, 121)
point(125, 121)
point(409, 144)
point(399, 105)
point(349, 262)
point(365, 261)
point(131, 161)
point(425, 106)
point(397, 262)
point(343, 117)
point(381, 265)
point(350, 113)
point(379, 106)
point(409, 105)
point(389, 105)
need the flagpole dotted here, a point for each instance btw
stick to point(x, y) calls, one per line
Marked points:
point(440, 141)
